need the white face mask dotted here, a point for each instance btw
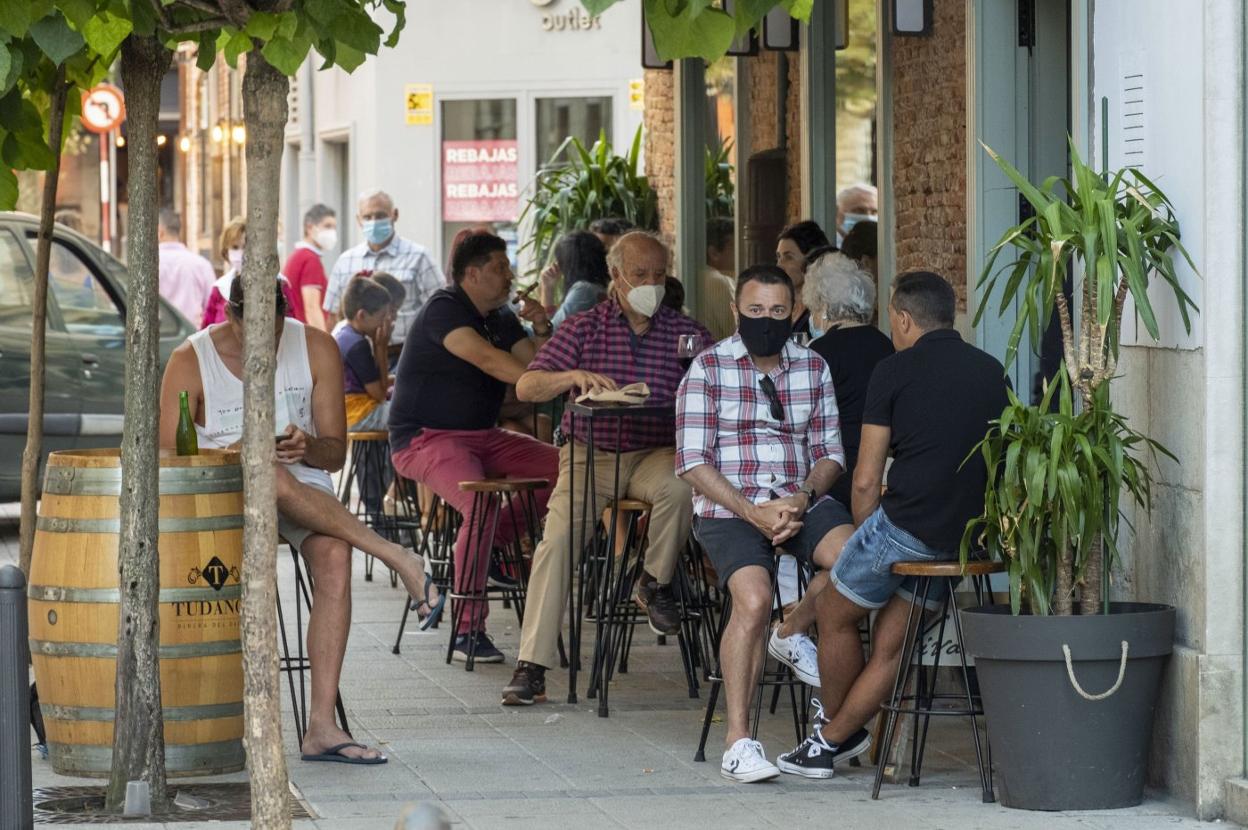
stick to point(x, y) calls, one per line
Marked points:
point(326, 238)
point(235, 257)
point(645, 299)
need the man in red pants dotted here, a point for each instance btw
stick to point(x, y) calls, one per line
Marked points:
point(460, 354)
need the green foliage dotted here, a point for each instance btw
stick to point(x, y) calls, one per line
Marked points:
point(1055, 479)
point(719, 185)
point(84, 37)
point(699, 28)
point(593, 183)
point(1120, 227)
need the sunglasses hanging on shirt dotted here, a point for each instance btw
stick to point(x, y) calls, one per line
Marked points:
point(773, 397)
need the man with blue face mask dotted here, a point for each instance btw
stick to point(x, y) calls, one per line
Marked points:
point(384, 250)
point(855, 204)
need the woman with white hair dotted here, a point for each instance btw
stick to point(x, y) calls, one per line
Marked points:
point(841, 299)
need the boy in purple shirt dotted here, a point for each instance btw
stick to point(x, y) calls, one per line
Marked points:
point(363, 342)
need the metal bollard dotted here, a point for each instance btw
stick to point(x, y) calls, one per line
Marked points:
point(16, 805)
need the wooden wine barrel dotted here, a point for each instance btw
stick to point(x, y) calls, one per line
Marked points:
point(74, 600)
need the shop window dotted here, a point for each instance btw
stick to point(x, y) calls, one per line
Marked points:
point(559, 118)
point(480, 169)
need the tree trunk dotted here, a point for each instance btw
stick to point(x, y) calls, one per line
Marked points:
point(43, 254)
point(264, 110)
point(138, 728)
point(1063, 599)
point(1090, 593)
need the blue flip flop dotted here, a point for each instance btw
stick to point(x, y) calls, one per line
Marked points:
point(435, 611)
point(334, 755)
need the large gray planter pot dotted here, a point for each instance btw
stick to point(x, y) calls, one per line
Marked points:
point(1054, 748)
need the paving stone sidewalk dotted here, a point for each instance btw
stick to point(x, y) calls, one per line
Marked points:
point(560, 765)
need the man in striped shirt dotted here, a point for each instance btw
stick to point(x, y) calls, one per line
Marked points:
point(384, 250)
point(758, 437)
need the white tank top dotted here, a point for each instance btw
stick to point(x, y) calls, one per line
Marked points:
point(292, 383)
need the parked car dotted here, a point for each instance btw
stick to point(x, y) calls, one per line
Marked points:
point(85, 356)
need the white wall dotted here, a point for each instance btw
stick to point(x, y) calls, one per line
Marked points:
point(467, 49)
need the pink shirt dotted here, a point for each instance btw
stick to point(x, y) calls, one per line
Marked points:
point(186, 279)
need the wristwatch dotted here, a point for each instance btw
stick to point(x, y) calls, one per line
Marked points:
point(810, 495)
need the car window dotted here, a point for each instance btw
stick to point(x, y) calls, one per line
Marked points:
point(16, 283)
point(86, 307)
point(170, 323)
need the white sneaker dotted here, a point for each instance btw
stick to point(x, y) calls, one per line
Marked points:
point(745, 762)
point(798, 652)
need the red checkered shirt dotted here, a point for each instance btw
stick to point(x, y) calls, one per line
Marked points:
point(723, 418)
point(600, 340)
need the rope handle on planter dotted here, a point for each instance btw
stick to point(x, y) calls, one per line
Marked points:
point(1122, 672)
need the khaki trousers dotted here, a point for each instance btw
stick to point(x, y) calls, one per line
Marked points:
point(649, 475)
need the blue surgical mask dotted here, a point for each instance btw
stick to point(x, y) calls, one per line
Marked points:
point(852, 219)
point(815, 331)
point(377, 231)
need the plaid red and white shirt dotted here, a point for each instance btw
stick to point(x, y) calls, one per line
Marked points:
point(601, 340)
point(724, 419)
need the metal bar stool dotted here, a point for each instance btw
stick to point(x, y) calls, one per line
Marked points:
point(432, 531)
point(489, 498)
point(941, 579)
point(298, 663)
point(617, 615)
point(780, 677)
point(368, 465)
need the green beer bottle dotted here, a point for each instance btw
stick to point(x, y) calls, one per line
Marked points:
point(187, 440)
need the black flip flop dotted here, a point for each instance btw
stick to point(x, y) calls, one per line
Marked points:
point(334, 755)
point(435, 611)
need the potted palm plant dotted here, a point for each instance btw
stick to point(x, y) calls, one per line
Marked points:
point(1070, 679)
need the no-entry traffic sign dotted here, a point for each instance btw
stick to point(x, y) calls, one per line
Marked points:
point(103, 108)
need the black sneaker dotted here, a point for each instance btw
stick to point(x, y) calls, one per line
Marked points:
point(527, 686)
point(485, 651)
point(660, 606)
point(498, 578)
point(815, 757)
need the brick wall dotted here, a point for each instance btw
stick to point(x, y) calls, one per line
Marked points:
point(929, 148)
point(660, 143)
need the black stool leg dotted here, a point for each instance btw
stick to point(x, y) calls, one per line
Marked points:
point(716, 682)
point(984, 764)
point(903, 675)
point(924, 692)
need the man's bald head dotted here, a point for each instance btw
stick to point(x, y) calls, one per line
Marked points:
point(636, 245)
point(374, 200)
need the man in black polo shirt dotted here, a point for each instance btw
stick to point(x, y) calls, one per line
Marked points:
point(461, 352)
point(928, 405)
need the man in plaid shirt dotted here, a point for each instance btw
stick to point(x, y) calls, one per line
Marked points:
point(384, 250)
point(758, 437)
point(630, 337)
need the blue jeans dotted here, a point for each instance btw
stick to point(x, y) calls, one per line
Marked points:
point(864, 571)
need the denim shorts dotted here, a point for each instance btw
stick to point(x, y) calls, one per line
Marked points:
point(732, 544)
point(864, 571)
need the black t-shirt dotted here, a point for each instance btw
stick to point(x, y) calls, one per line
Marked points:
point(851, 354)
point(937, 398)
point(434, 389)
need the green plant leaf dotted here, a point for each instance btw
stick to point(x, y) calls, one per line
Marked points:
point(104, 33)
point(78, 12)
point(285, 54)
point(56, 38)
point(14, 20)
point(262, 25)
point(597, 7)
point(8, 188)
point(696, 30)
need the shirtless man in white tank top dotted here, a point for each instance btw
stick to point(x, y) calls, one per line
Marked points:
point(310, 517)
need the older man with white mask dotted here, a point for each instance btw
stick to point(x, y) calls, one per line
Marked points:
point(628, 338)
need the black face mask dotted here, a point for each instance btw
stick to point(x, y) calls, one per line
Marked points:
point(764, 336)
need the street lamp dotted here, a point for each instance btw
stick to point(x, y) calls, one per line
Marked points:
point(912, 18)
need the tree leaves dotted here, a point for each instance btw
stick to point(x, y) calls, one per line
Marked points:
point(693, 28)
point(597, 7)
point(15, 18)
point(104, 33)
point(56, 38)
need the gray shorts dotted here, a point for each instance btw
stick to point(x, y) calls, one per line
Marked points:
point(294, 534)
point(733, 544)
